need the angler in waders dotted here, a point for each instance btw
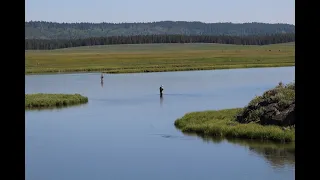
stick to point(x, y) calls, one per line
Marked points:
point(101, 77)
point(161, 90)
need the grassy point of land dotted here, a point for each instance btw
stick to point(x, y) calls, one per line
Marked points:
point(41, 100)
point(158, 58)
point(222, 123)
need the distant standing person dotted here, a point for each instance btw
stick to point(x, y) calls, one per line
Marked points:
point(161, 90)
point(101, 77)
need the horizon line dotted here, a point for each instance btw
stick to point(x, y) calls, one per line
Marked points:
point(147, 22)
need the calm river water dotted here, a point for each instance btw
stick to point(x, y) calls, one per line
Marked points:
point(126, 131)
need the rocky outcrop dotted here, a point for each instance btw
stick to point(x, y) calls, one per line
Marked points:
point(273, 108)
point(273, 116)
point(270, 114)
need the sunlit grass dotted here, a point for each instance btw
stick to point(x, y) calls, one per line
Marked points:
point(222, 123)
point(41, 100)
point(158, 58)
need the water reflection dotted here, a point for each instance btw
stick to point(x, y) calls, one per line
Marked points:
point(278, 155)
point(102, 83)
point(57, 108)
point(161, 100)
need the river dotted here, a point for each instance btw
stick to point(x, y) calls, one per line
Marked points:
point(126, 130)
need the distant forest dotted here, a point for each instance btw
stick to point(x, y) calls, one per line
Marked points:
point(51, 30)
point(43, 44)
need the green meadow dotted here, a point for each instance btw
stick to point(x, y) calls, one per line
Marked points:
point(136, 58)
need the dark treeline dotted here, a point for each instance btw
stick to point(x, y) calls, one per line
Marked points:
point(53, 30)
point(41, 44)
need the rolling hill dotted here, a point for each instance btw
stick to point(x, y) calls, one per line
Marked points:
point(52, 30)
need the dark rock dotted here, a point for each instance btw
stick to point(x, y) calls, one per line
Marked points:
point(239, 118)
point(263, 103)
point(289, 116)
point(273, 116)
point(252, 107)
point(272, 113)
point(271, 108)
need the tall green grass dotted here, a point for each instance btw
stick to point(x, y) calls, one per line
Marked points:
point(222, 123)
point(41, 100)
point(158, 58)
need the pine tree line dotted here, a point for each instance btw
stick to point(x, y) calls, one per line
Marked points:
point(41, 44)
point(52, 30)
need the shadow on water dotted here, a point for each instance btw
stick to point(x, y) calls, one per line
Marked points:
point(161, 100)
point(56, 108)
point(278, 155)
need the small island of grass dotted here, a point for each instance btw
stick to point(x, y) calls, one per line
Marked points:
point(266, 117)
point(41, 100)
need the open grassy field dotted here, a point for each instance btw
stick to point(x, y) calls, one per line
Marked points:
point(158, 58)
point(41, 100)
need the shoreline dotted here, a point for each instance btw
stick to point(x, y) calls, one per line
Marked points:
point(269, 116)
point(186, 69)
point(220, 124)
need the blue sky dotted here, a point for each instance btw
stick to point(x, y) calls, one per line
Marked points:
point(237, 11)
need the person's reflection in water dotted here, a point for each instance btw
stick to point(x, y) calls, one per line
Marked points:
point(101, 77)
point(161, 100)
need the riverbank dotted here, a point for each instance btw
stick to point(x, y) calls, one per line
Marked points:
point(267, 117)
point(153, 70)
point(40, 100)
point(158, 58)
